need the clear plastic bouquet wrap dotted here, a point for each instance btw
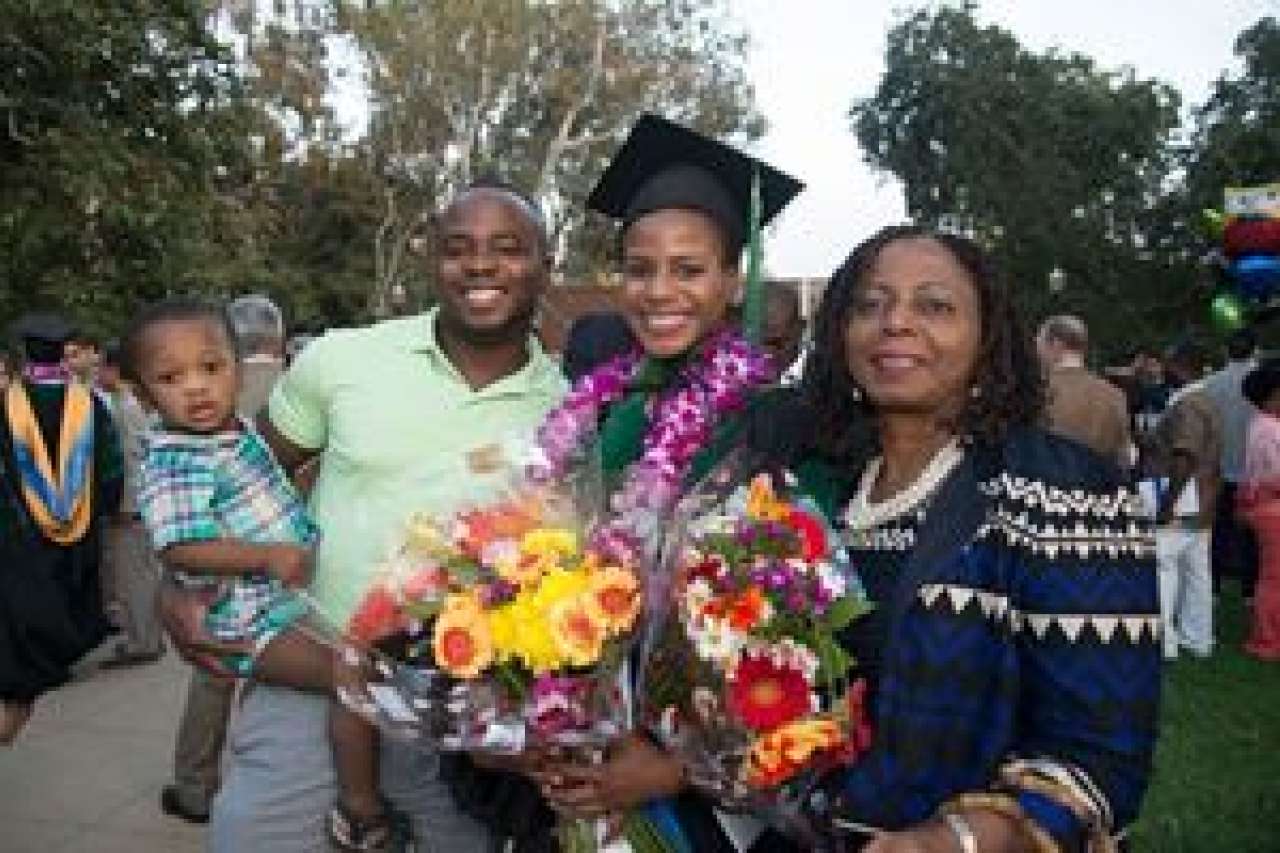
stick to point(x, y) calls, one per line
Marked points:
point(746, 678)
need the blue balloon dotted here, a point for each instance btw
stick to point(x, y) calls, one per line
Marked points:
point(1256, 276)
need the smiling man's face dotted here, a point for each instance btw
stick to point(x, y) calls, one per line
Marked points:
point(491, 266)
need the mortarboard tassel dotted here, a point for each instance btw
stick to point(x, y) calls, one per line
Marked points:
point(753, 296)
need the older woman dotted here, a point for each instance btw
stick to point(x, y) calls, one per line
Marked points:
point(1014, 654)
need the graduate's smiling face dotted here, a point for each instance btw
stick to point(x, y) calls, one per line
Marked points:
point(678, 282)
point(492, 266)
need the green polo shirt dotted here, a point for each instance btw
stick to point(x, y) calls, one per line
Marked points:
point(399, 431)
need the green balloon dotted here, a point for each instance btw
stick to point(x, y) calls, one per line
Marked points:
point(1214, 222)
point(1228, 311)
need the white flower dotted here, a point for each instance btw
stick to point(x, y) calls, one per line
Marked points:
point(718, 642)
point(696, 596)
point(832, 581)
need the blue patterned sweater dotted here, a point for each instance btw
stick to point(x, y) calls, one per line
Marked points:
point(1018, 654)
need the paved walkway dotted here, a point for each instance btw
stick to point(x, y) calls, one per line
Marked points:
point(85, 775)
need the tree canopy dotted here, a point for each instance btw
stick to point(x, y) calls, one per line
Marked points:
point(152, 146)
point(1053, 163)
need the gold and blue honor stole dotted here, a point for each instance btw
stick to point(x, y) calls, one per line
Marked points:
point(60, 504)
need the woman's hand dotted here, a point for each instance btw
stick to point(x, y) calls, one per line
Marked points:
point(926, 838)
point(635, 772)
point(995, 833)
point(532, 762)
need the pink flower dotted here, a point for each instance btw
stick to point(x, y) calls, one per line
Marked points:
point(558, 704)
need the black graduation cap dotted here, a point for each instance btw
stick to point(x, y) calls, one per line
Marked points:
point(42, 335)
point(664, 165)
point(43, 328)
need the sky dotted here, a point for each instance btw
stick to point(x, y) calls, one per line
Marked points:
point(811, 59)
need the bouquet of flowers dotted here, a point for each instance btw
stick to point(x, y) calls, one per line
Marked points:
point(747, 679)
point(497, 626)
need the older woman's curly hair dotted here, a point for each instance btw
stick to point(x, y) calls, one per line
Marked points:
point(1009, 386)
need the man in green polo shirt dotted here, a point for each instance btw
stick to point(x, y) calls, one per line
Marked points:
point(402, 416)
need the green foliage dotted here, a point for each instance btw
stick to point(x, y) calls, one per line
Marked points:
point(1215, 785)
point(154, 146)
point(1237, 134)
point(116, 119)
point(1051, 162)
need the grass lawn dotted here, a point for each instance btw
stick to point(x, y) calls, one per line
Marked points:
point(1216, 785)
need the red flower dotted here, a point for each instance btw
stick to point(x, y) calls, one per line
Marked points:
point(711, 569)
point(377, 617)
point(426, 584)
point(858, 734)
point(813, 535)
point(765, 695)
point(743, 610)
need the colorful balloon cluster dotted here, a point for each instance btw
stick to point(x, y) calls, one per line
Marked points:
point(1248, 230)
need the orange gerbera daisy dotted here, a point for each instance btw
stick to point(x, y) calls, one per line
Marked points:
point(578, 635)
point(462, 644)
point(613, 598)
point(781, 754)
point(763, 504)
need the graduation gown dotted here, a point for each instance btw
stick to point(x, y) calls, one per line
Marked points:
point(51, 610)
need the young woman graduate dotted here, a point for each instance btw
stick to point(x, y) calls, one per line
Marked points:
point(668, 409)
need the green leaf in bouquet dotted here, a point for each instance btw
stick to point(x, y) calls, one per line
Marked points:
point(514, 679)
point(669, 669)
point(463, 571)
point(844, 611)
point(423, 611)
point(834, 662)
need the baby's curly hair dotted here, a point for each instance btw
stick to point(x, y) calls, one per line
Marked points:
point(1007, 377)
point(172, 309)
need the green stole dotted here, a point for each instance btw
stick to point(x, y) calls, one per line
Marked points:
point(623, 429)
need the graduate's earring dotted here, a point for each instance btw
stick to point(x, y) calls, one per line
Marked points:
point(855, 394)
point(975, 392)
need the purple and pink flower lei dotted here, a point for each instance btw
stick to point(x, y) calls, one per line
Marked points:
point(683, 418)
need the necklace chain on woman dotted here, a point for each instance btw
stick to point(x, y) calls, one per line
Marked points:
point(862, 514)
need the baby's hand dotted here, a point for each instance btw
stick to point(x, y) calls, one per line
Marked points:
point(290, 564)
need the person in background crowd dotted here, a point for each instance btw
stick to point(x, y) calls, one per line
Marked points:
point(202, 730)
point(6, 370)
point(1235, 549)
point(593, 339)
point(60, 475)
point(1150, 389)
point(783, 327)
point(296, 344)
point(393, 412)
point(1260, 505)
point(82, 356)
point(1148, 393)
point(1185, 453)
point(128, 559)
point(1082, 406)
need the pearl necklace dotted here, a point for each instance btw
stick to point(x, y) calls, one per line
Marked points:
point(862, 514)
